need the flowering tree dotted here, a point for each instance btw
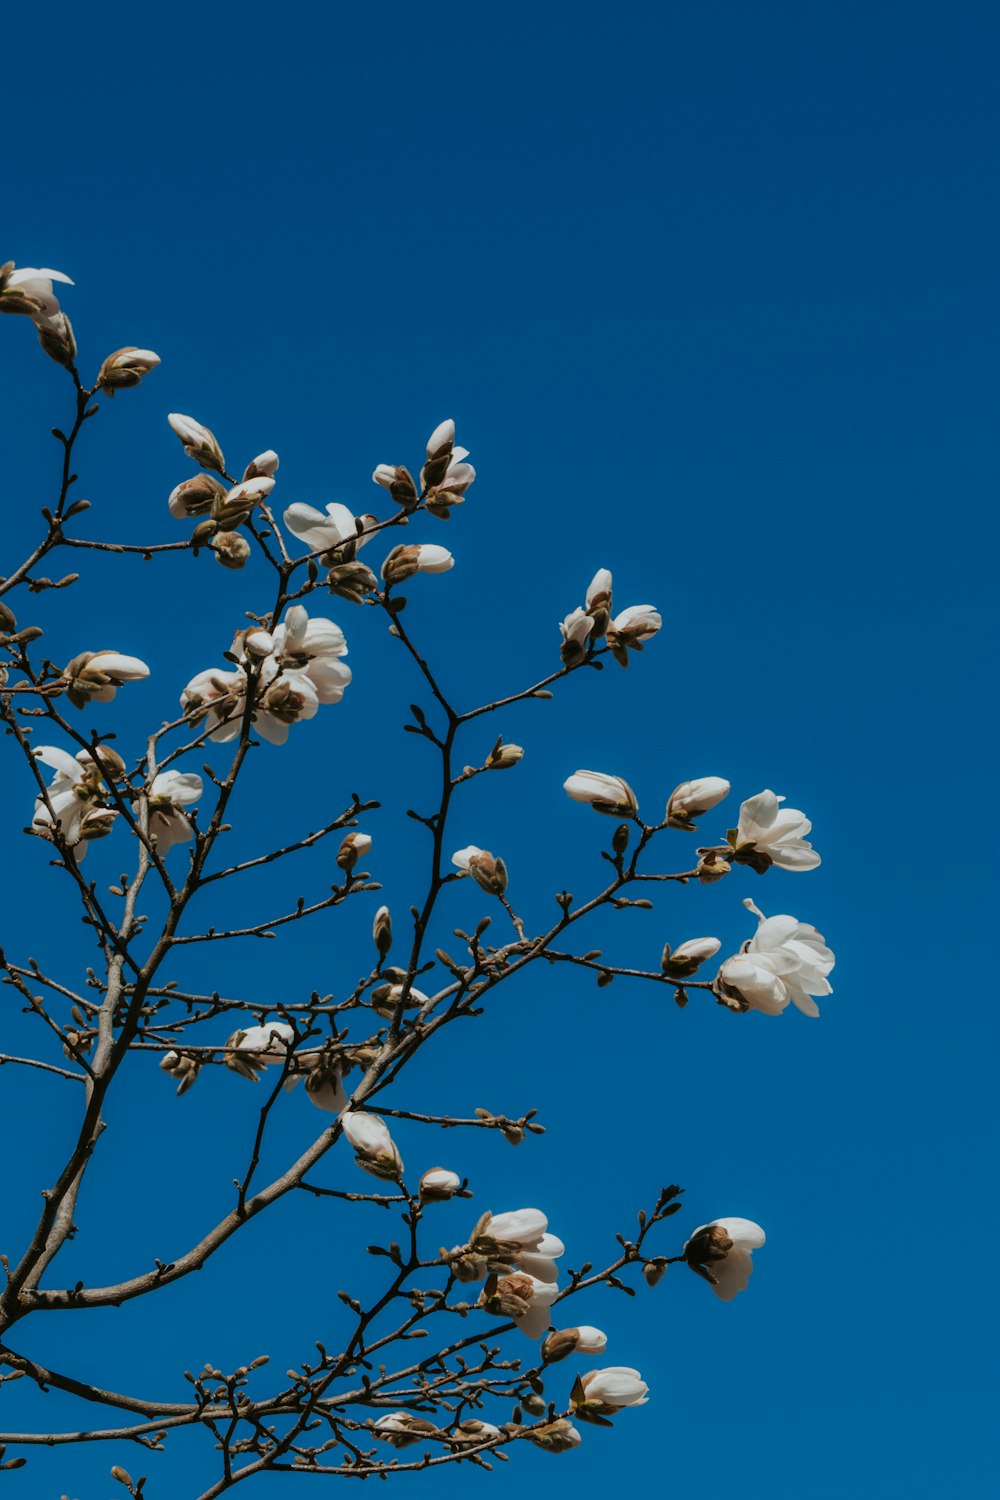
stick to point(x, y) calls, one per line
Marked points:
point(495, 1309)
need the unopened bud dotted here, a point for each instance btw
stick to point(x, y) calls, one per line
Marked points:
point(97, 823)
point(687, 958)
point(399, 482)
point(57, 340)
point(231, 549)
point(8, 619)
point(265, 464)
point(353, 847)
point(182, 1067)
point(654, 1270)
point(619, 839)
point(502, 757)
point(382, 931)
point(438, 1184)
point(712, 866)
point(199, 442)
point(126, 367)
point(258, 643)
point(351, 581)
point(692, 798)
point(195, 496)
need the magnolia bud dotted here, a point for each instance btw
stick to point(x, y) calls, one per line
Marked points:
point(231, 549)
point(398, 481)
point(57, 340)
point(351, 581)
point(606, 794)
point(685, 960)
point(502, 757)
point(353, 847)
point(108, 760)
point(195, 496)
point(199, 442)
point(555, 1437)
point(712, 866)
point(126, 367)
point(264, 464)
point(185, 1069)
point(558, 1344)
point(258, 643)
point(692, 798)
point(97, 823)
point(8, 619)
point(438, 1184)
point(654, 1270)
point(404, 562)
point(382, 931)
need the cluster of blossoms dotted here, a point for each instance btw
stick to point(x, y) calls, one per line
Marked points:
point(221, 509)
point(76, 805)
point(624, 632)
point(285, 674)
point(30, 293)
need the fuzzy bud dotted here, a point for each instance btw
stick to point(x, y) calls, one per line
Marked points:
point(685, 960)
point(352, 581)
point(382, 931)
point(438, 1184)
point(502, 757)
point(126, 367)
point(231, 549)
point(399, 482)
point(692, 798)
point(182, 1067)
point(353, 847)
point(57, 339)
point(199, 442)
point(264, 465)
point(195, 496)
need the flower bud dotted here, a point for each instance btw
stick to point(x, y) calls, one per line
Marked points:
point(382, 931)
point(555, 1437)
point(265, 464)
point(353, 848)
point(375, 1149)
point(402, 1429)
point(576, 631)
point(712, 866)
point(692, 798)
point(352, 580)
point(57, 340)
point(654, 1270)
point(195, 496)
point(629, 630)
point(399, 482)
point(502, 757)
point(438, 1184)
point(605, 794)
point(610, 1390)
point(439, 452)
point(199, 442)
point(231, 549)
point(96, 675)
point(182, 1067)
point(404, 562)
point(489, 873)
point(97, 823)
point(685, 960)
point(599, 601)
point(126, 367)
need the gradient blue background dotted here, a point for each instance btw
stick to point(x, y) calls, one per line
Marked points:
point(711, 292)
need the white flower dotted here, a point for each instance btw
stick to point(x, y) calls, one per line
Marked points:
point(599, 592)
point(474, 1431)
point(404, 562)
point(314, 646)
point(615, 1387)
point(721, 1253)
point(445, 470)
point(590, 1340)
point(401, 1428)
point(241, 499)
point(126, 367)
point(326, 1091)
point(285, 694)
point(784, 960)
point(555, 1437)
point(523, 1227)
point(487, 870)
point(684, 960)
point(628, 630)
point(576, 629)
point(605, 794)
point(264, 463)
point(95, 676)
point(218, 696)
point(76, 799)
point(322, 530)
point(269, 1041)
point(438, 1184)
point(522, 1297)
point(540, 1260)
point(170, 793)
point(29, 291)
point(375, 1150)
point(199, 442)
point(692, 798)
point(195, 496)
point(775, 834)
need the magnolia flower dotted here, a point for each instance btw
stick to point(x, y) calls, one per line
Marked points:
point(522, 1297)
point(398, 481)
point(199, 442)
point(692, 798)
point(489, 872)
point(564, 1341)
point(170, 793)
point(264, 463)
point(95, 676)
point(438, 1184)
point(576, 629)
point(235, 506)
point(684, 960)
point(195, 496)
point(784, 960)
point(631, 628)
point(613, 1388)
point(382, 931)
point(401, 1428)
point(315, 646)
point(29, 291)
point(353, 847)
point(219, 696)
point(284, 696)
point(445, 476)
point(404, 562)
point(555, 1437)
point(325, 1089)
point(605, 794)
point(75, 798)
point(721, 1253)
point(56, 337)
point(474, 1431)
point(599, 592)
point(322, 530)
point(254, 1048)
point(768, 834)
point(375, 1149)
point(126, 367)
point(519, 1227)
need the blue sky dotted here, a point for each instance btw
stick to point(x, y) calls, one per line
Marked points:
point(711, 293)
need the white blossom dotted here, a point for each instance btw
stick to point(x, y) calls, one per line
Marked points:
point(445, 473)
point(374, 1147)
point(95, 676)
point(575, 630)
point(269, 1041)
point(199, 442)
point(723, 1250)
point(76, 799)
point(630, 629)
point(322, 530)
point(777, 833)
point(325, 1089)
point(599, 591)
point(315, 645)
point(590, 1340)
point(424, 557)
point(523, 1227)
point(605, 794)
point(784, 960)
point(438, 1184)
point(692, 798)
point(615, 1387)
point(265, 463)
point(31, 287)
point(126, 367)
point(170, 793)
point(684, 960)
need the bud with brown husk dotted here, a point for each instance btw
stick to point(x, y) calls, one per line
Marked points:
point(654, 1270)
point(712, 866)
point(351, 581)
point(507, 1296)
point(709, 1245)
point(489, 872)
point(399, 482)
point(125, 368)
point(97, 823)
point(231, 549)
point(555, 1437)
point(199, 442)
point(686, 959)
point(8, 619)
point(353, 847)
point(382, 931)
point(438, 1184)
point(402, 1429)
point(502, 756)
point(195, 496)
point(182, 1067)
point(57, 339)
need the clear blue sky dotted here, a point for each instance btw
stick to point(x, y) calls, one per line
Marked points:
point(711, 293)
